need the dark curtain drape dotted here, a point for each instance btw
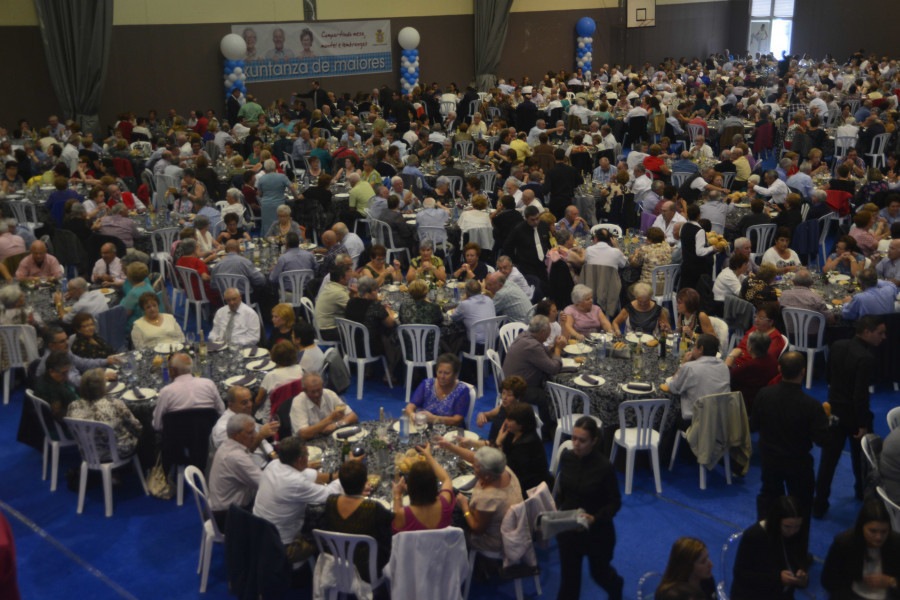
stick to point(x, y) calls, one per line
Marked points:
point(77, 36)
point(491, 23)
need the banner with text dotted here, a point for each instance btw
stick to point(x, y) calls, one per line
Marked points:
point(280, 51)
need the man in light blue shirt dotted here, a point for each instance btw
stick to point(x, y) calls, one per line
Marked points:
point(876, 297)
point(685, 164)
point(433, 215)
point(301, 147)
point(605, 171)
point(888, 268)
point(891, 213)
point(509, 300)
point(475, 307)
point(293, 259)
point(235, 264)
point(351, 134)
point(378, 204)
point(572, 222)
point(801, 180)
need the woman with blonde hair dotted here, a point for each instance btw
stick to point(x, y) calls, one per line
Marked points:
point(282, 324)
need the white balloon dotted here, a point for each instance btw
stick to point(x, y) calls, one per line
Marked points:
point(233, 47)
point(580, 63)
point(411, 70)
point(581, 44)
point(404, 63)
point(590, 40)
point(243, 76)
point(232, 78)
point(408, 38)
point(238, 70)
point(416, 64)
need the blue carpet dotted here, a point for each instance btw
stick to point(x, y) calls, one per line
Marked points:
point(149, 548)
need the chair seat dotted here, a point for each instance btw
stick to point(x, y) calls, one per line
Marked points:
point(630, 437)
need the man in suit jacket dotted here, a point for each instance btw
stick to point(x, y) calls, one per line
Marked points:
point(470, 96)
point(528, 243)
point(526, 114)
point(233, 106)
point(561, 182)
point(504, 220)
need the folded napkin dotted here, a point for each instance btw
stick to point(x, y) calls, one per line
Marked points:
point(214, 346)
point(245, 380)
point(111, 386)
point(254, 352)
point(551, 523)
point(258, 364)
point(639, 387)
point(347, 432)
point(590, 379)
point(137, 393)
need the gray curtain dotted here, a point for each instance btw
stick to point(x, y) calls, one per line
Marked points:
point(491, 23)
point(77, 36)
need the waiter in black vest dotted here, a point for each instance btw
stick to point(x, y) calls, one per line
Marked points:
point(697, 255)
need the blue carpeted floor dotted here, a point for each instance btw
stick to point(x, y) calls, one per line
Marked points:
point(149, 548)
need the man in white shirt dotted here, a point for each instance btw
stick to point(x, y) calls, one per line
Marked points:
point(848, 129)
point(604, 251)
point(108, 269)
point(527, 200)
point(240, 402)
point(235, 323)
point(608, 140)
point(351, 241)
point(285, 488)
point(512, 189)
point(91, 302)
point(235, 474)
point(701, 149)
point(540, 127)
point(317, 411)
point(667, 219)
point(185, 392)
point(642, 181)
point(702, 375)
point(70, 153)
point(637, 111)
point(777, 190)
point(728, 281)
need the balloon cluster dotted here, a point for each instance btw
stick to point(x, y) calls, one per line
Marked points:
point(234, 49)
point(585, 28)
point(409, 58)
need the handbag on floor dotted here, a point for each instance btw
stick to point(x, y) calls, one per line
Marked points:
point(158, 481)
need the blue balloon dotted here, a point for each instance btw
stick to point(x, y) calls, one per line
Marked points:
point(585, 26)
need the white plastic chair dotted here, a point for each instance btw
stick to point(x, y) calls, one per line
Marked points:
point(640, 437)
point(382, 232)
point(497, 367)
point(161, 240)
point(456, 183)
point(342, 547)
point(309, 312)
point(842, 145)
point(763, 236)
point(893, 418)
point(612, 227)
point(435, 550)
point(201, 302)
point(825, 222)
point(563, 399)
point(297, 280)
point(566, 445)
point(489, 327)
point(726, 459)
point(42, 408)
point(721, 329)
point(726, 564)
point(224, 281)
point(25, 214)
point(420, 353)
point(447, 107)
point(679, 177)
point(669, 275)
point(892, 508)
point(19, 344)
point(92, 437)
point(489, 180)
point(211, 534)
point(348, 331)
point(694, 131)
point(472, 398)
point(877, 147)
point(647, 585)
point(798, 323)
point(509, 333)
point(464, 148)
point(177, 287)
point(866, 448)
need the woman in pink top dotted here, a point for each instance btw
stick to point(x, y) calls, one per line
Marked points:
point(583, 317)
point(428, 508)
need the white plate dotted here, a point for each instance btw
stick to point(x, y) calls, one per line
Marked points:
point(633, 338)
point(412, 427)
point(111, 372)
point(569, 363)
point(315, 453)
point(167, 348)
point(580, 381)
point(596, 336)
point(741, 205)
point(148, 393)
point(464, 482)
point(116, 389)
point(631, 391)
point(254, 352)
point(576, 349)
point(232, 380)
point(392, 288)
point(362, 433)
point(451, 436)
point(836, 278)
point(260, 365)
point(308, 246)
point(107, 291)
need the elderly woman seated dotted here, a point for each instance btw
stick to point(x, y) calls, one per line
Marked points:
point(232, 229)
point(285, 225)
point(12, 298)
point(472, 267)
point(95, 406)
point(757, 288)
point(642, 315)
point(475, 218)
point(426, 266)
point(495, 492)
point(87, 343)
point(190, 259)
point(655, 253)
point(443, 398)
point(757, 370)
point(153, 327)
point(207, 243)
point(583, 317)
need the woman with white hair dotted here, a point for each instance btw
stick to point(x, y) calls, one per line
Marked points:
point(642, 314)
point(208, 244)
point(95, 406)
point(272, 186)
point(285, 225)
point(583, 316)
point(426, 266)
point(495, 492)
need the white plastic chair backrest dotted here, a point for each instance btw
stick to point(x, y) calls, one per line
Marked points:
point(866, 448)
point(669, 275)
point(497, 367)
point(20, 344)
point(694, 131)
point(297, 279)
point(563, 398)
point(678, 178)
point(21, 210)
point(645, 412)
point(726, 564)
point(347, 330)
point(431, 548)
point(93, 438)
point(342, 546)
point(197, 482)
point(473, 397)
point(647, 585)
point(509, 333)
point(438, 235)
point(567, 445)
point(893, 418)
point(727, 179)
point(42, 408)
point(798, 322)
point(763, 237)
point(878, 144)
point(489, 327)
point(456, 183)
point(187, 281)
point(162, 239)
point(892, 508)
point(464, 147)
point(228, 280)
point(612, 227)
point(416, 338)
point(171, 276)
point(489, 178)
point(721, 329)
point(309, 311)
point(331, 354)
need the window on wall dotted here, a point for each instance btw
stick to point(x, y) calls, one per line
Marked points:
point(771, 25)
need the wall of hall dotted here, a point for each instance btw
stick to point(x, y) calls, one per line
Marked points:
point(165, 52)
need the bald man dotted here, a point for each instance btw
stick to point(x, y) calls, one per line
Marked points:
point(108, 269)
point(38, 264)
point(185, 392)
